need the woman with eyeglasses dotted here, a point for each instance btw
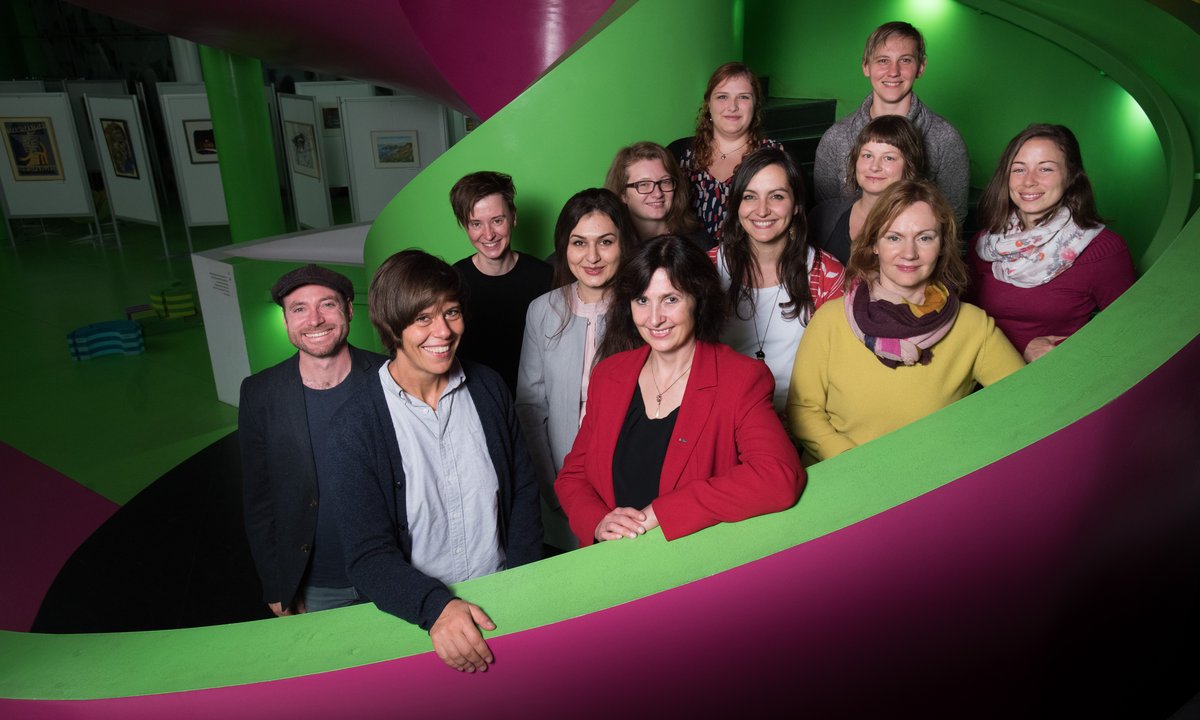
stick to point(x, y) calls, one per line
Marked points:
point(653, 186)
point(563, 328)
point(728, 127)
point(680, 431)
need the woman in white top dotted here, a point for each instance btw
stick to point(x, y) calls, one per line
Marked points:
point(774, 281)
point(563, 328)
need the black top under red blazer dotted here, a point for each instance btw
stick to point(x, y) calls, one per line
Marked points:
point(729, 457)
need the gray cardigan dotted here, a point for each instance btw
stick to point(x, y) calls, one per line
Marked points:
point(548, 387)
point(945, 152)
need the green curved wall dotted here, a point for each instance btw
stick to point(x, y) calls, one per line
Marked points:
point(639, 78)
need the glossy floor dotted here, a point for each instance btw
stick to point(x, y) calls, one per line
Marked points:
point(113, 423)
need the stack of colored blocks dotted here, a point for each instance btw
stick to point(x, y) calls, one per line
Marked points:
point(173, 303)
point(106, 338)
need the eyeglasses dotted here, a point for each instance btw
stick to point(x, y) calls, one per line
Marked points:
point(645, 187)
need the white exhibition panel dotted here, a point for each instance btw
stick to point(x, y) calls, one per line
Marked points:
point(199, 183)
point(306, 165)
point(333, 145)
point(370, 126)
point(75, 90)
point(124, 161)
point(22, 86)
point(44, 119)
point(217, 291)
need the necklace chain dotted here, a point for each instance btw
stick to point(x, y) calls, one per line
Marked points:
point(654, 379)
point(762, 340)
point(736, 147)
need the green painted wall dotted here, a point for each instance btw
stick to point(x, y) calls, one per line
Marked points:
point(262, 319)
point(640, 78)
point(986, 76)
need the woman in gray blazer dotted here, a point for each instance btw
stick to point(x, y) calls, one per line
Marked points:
point(563, 328)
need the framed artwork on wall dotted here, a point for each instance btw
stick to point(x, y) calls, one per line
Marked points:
point(202, 145)
point(32, 148)
point(331, 117)
point(301, 143)
point(120, 149)
point(395, 149)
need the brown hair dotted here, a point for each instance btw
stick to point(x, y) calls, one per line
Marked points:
point(996, 205)
point(897, 131)
point(702, 144)
point(679, 219)
point(889, 30)
point(690, 271)
point(472, 188)
point(950, 269)
point(404, 285)
point(738, 252)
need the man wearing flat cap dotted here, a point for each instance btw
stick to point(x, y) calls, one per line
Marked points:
point(283, 428)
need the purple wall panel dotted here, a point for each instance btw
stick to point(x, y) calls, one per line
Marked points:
point(1059, 580)
point(44, 517)
point(474, 55)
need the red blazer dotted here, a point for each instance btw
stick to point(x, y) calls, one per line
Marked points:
point(730, 458)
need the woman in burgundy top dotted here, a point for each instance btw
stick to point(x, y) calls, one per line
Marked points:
point(1044, 262)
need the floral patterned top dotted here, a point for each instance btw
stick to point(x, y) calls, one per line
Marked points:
point(710, 196)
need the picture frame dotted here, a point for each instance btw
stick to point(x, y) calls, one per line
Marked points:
point(201, 143)
point(395, 149)
point(32, 148)
point(331, 116)
point(120, 147)
point(301, 141)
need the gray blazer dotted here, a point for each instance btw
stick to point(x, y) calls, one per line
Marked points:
point(548, 386)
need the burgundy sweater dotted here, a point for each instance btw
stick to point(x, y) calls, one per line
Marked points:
point(1102, 272)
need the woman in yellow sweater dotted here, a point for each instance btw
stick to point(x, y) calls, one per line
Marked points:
point(899, 345)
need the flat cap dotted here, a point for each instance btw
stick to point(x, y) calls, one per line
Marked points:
point(312, 275)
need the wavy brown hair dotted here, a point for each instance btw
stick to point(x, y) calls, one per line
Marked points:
point(996, 205)
point(738, 250)
point(679, 219)
point(950, 270)
point(690, 271)
point(702, 144)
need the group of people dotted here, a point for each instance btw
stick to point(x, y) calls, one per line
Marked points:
point(695, 340)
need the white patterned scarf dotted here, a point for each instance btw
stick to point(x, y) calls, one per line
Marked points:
point(1028, 258)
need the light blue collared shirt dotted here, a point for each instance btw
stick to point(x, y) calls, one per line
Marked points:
point(451, 489)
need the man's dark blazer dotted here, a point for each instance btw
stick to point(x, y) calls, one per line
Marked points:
point(279, 474)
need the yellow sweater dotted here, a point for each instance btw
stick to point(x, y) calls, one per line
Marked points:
point(841, 395)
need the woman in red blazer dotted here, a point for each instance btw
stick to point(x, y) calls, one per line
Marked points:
point(680, 430)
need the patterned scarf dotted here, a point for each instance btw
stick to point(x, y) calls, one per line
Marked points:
point(1028, 258)
point(898, 332)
